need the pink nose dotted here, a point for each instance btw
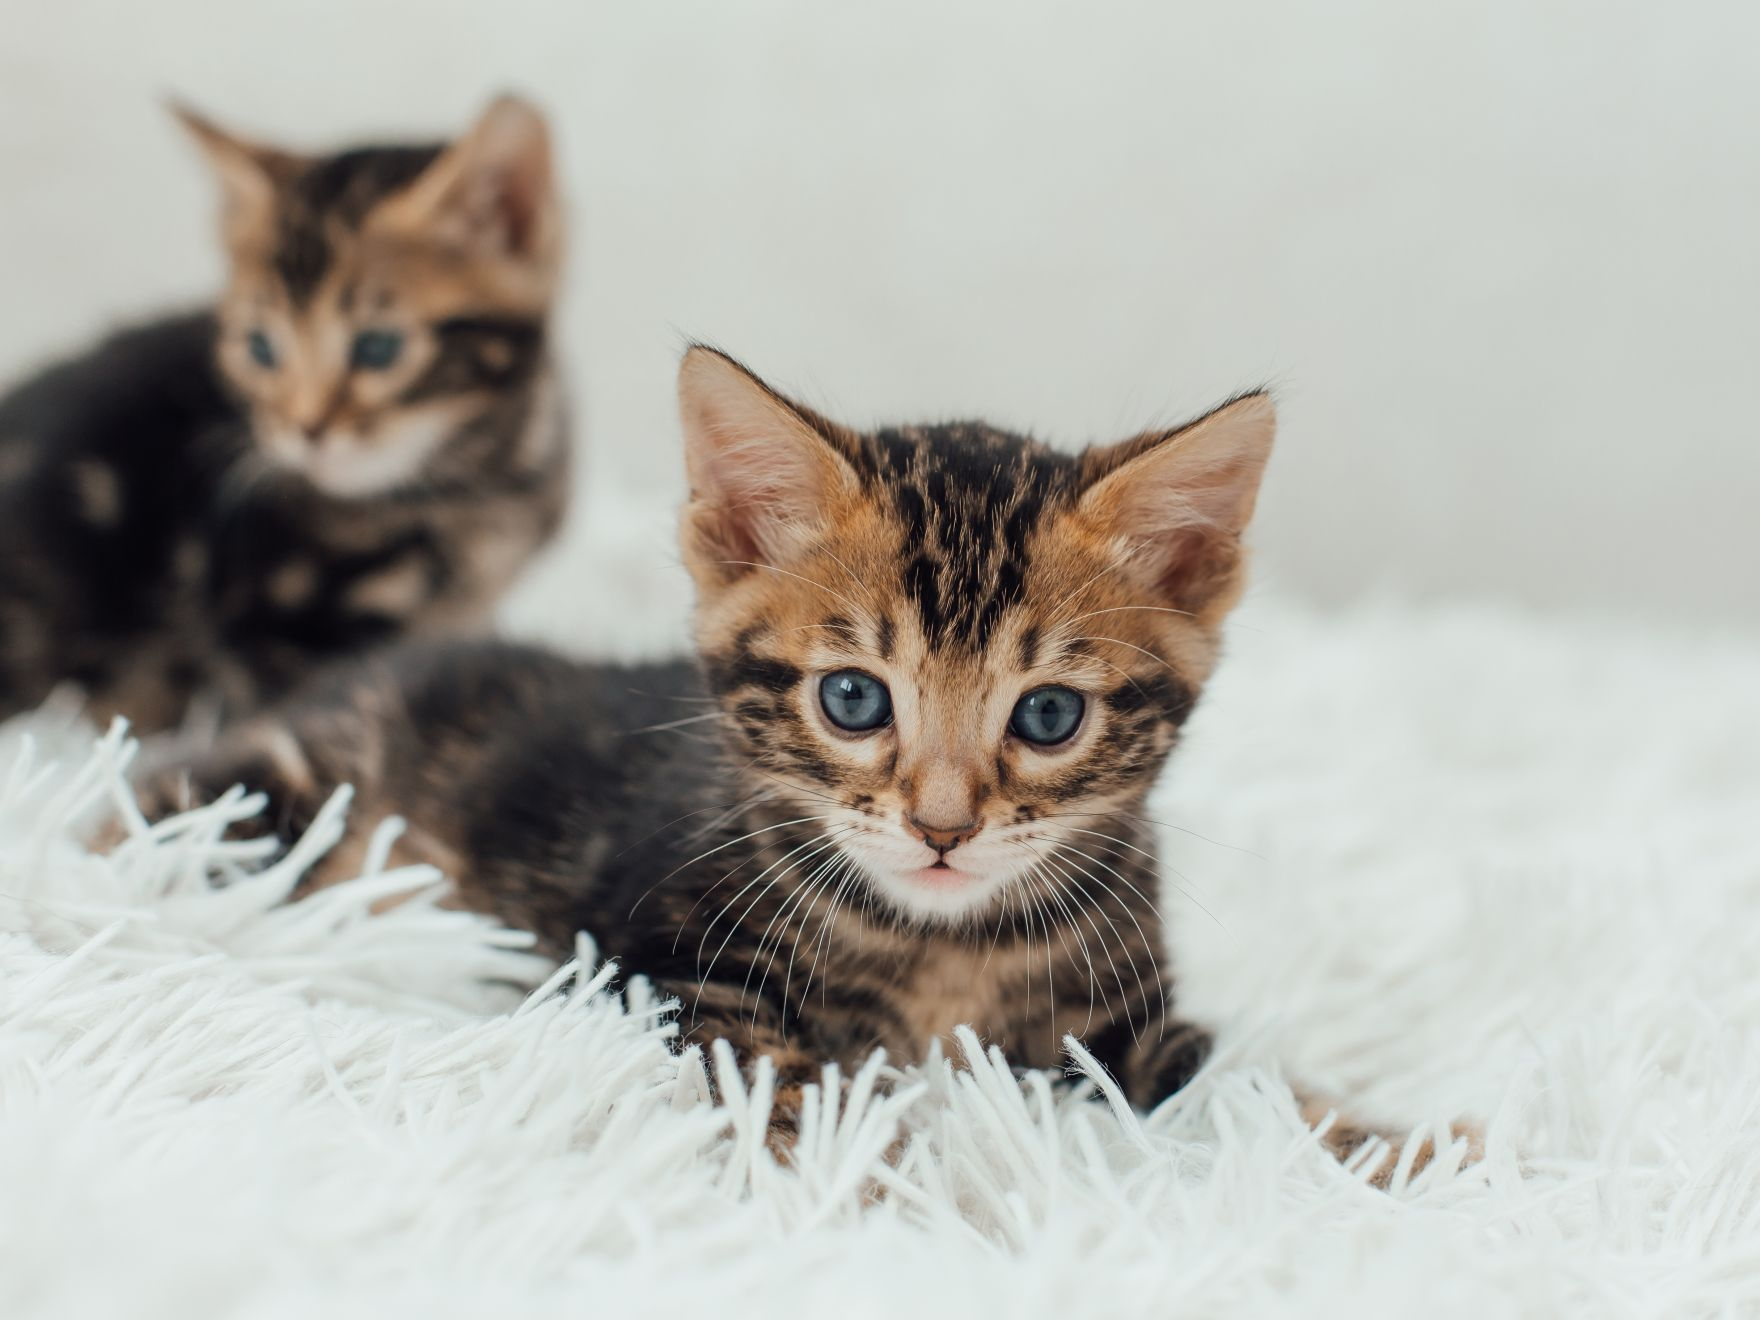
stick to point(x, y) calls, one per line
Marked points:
point(943, 838)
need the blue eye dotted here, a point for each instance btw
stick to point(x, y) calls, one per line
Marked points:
point(855, 701)
point(261, 350)
point(375, 350)
point(1047, 715)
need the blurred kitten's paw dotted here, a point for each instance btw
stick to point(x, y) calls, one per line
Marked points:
point(1378, 1153)
point(156, 796)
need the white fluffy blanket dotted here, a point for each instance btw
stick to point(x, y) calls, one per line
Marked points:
point(1439, 862)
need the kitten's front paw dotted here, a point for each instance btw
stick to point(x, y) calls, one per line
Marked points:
point(156, 796)
point(1377, 1152)
point(162, 795)
point(259, 758)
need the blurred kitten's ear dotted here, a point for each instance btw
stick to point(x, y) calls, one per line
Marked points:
point(493, 191)
point(1178, 502)
point(247, 172)
point(765, 475)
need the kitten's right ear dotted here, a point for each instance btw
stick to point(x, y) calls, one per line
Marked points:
point(765, 476)
point(1177, 503)
point(246, 170)
point(492, 192)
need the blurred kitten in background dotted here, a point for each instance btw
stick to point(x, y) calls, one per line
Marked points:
point(364, 439)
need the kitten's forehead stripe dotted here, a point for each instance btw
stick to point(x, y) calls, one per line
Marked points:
point(331, 192)
point(348, 185)
point(967, 497)
point(303, 254)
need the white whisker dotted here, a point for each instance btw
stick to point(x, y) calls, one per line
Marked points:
point(1153, 953)
point(726, 907)
point(720, 847)
point(1044, 877)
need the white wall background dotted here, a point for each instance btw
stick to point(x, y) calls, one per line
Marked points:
point(1499, 257)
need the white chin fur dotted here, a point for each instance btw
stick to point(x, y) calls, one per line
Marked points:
point(344, 465)
point(948, 906)
point(890, 865)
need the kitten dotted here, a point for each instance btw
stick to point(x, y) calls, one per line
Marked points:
point(363, 440)
point(940, 669)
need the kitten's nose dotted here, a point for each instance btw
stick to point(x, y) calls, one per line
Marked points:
point(314, 414)
point(943, 838)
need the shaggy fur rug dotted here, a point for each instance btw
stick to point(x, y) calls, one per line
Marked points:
point(1444, 862)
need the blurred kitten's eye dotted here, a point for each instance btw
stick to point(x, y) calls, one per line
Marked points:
point(261, 350)
point(1047, 715)
point(855, 701)
point(375, 350)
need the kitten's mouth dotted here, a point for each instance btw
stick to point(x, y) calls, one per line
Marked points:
point(942, 876)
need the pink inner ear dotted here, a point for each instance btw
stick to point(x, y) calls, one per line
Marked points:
point(506, 201)
point(764, 480)
point(766, 488)
point(1193, 565)
point(744, 522)
point(1184, 500)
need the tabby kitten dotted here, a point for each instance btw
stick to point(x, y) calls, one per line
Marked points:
point(363, 440)
point(903, 790)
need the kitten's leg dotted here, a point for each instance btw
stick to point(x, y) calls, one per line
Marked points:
point(715, 1010)
point(1151, 1056)
point(1163, 1054)
point(263, 755)
point(1345, 1137)
point(297, 761)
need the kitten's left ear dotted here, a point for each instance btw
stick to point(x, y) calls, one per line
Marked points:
point(1180, 500)
point(492, 192)
point(765, 474)
point(247, 172)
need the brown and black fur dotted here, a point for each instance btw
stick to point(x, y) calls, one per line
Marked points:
point(571, 797)
point(715, 835)
point(165, 542)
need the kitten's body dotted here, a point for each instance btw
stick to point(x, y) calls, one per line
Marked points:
point(872, 818)
point(713, 837)
point(201, 510)
point(571, 797)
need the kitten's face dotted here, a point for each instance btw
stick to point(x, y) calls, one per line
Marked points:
point(959, 653)
point(379, 300)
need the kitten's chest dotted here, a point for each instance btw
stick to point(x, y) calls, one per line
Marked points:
point(989, 989)
point(282, 567)
point(332, 572)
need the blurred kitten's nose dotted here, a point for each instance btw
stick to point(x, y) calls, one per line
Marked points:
point(314, 413)
point(942, 838)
